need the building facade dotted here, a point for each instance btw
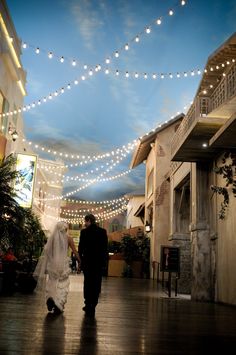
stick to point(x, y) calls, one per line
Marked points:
point(155, 151)
point(12, 138)
point(198, 148)
point(12, 84)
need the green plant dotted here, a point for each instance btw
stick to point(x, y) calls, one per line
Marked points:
point(136, 249)
point(129, 248)
point(227, 171)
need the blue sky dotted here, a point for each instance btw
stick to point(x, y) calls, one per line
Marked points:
point(106, 111)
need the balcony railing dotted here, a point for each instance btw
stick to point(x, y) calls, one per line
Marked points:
point(203, 105)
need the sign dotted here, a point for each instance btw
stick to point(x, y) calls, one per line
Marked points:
point(170, 259)
point(24, 184)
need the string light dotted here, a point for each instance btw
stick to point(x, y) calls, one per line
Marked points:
point(103, 202)
point(99, 218)
point(85, 159)
point(32, 105)
point(109, 166)
point(61, 90)
point(103, 210)
point(98, 179)
point(154, 76)
point(73, 62)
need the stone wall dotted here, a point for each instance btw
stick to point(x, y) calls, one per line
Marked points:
point(183, 242)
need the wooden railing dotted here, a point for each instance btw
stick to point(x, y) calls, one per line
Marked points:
point(202, 106)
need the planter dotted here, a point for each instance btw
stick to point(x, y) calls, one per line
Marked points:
point(116, 267)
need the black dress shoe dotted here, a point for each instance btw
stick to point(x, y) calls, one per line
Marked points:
point(50, 304)
point(89, 310)
point(56, 310)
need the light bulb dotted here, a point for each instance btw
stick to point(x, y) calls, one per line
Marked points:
point(171, 12)
point(159, 21)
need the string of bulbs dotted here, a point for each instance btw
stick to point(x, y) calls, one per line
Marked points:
point(116, 54)
point(91, 71)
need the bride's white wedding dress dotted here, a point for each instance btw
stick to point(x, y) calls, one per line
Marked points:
point(52, 271)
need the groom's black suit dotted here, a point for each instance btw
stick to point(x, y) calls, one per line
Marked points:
point(93, 247)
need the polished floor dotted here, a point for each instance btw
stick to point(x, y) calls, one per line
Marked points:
point(133, 317)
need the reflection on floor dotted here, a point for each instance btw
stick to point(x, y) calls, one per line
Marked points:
point(132, 317)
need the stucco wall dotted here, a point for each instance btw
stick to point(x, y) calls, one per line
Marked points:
point(133, 205)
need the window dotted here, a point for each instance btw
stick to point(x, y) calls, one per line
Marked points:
point(150, 184)
point(4, 107)
point(115, 225)
point(182, 207)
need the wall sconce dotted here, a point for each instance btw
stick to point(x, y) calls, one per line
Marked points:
point(12, 132)
point(14, 135)
point(147, 227)
point(10, 129)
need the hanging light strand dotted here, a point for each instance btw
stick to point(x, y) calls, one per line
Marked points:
point(94, 69)
point(75, 62)
point(100, 178)
point(62, 90)
point(85, 159)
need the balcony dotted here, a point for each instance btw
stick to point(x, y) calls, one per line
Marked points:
point(213, 106)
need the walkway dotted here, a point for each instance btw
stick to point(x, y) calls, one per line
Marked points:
point(132, 318)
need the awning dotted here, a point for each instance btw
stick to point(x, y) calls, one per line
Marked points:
point(140, 211)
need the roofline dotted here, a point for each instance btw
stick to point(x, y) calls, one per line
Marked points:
point(213, 55)
point(153, 135)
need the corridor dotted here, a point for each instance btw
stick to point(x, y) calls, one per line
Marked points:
point(133, 317)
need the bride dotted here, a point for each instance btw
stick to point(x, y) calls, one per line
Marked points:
point(54, 261)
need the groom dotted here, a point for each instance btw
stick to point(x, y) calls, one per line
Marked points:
point(93, 251)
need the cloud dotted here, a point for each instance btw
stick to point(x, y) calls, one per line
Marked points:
point(135, 112)
point(88, 21)
point(111, 189)
point(33, 85)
